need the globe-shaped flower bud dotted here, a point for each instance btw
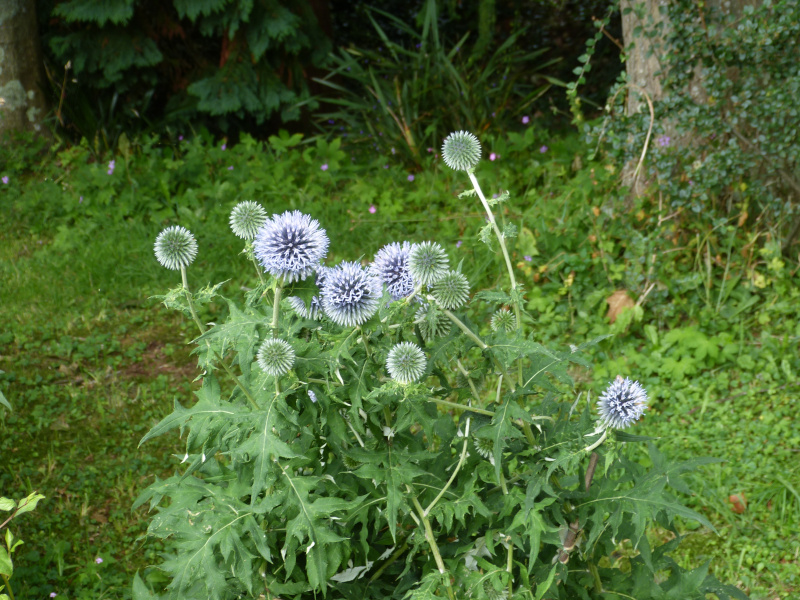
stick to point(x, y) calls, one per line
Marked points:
point(427, 262)
point(461, 151)
point(431, 325)
point(247, 218)
point(351, 294)
point(485, 447)
point(622, 404)
point(451, 291)
point(503, 319)
point(290, 245)
point(175, 247)
point(391, 265)
point(406, 362)
point(275, 357)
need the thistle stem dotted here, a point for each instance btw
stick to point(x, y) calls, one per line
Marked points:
point(202, 329)
point(432, 542)
point(502, 242)
point(8, 586)
point(276, 306)
point(600, 440)
point(465, 329)
point(479, 411)
point(455, 472)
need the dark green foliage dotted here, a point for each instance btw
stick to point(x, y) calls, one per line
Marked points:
point(392, 97)
point(238, 62)
point(727, 132)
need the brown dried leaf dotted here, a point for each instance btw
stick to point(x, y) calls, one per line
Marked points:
point(617, 302)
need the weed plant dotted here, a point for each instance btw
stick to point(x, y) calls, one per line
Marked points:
point(362, 431)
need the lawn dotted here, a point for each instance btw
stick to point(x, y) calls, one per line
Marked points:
point(92, 361)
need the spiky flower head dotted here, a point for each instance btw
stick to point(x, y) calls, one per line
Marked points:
point(492, 593)
point(432, 324)
point(451, 291)
point(484, 447)
point(406, 362)
point(503, 319)
point(622, 404)
point(275, 357)
point(175, 247)
point(350, 294)
point(427, 262)
point(290, 245)
point(314, 311)
point(391, 265)
point(247, 217)
point(461, 151)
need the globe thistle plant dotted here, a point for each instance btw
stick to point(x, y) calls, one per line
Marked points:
point(622, 404)
point(247, 217)
point(391, 265)
point(503, 319)
point(461, 151)
point(350, 294)
point(275, 357)
point(484, 447)
point(431, 325)
point(406, 362)
point(427, 263)
point(290, 245)
point(175, 247)
point(451, 291)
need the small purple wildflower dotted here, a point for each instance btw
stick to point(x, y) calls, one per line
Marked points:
point(324, 167)
point(98, 560)
point(111, 166)
point(223, 147)
point(393, 150)
point(385, 166)
point(663, 141)
point(372, 209)
point(5, 179)
point(458, 244)
point(411, 178)
point(81, 200)
point(53, 594)
point(331, 121)
point(543, 149)
point(492, 156)
point(526, 119)
point(430, 149)
point(180, 138)
point(230, 168)
point(528, 258)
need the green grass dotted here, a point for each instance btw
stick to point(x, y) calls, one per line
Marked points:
point(90, 363)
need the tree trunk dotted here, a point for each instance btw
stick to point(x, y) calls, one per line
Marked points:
point(22, 101)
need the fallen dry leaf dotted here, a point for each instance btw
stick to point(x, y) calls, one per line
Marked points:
point(617, 302)
point(738, 503)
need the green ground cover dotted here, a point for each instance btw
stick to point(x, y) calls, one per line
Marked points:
point(91, 363)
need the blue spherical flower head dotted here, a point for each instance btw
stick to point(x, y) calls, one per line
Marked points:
point(391, 265)
point(461, 151)
point(290, 245)
point(350, 294)
point(175, 247)
point(247, 217)
point(406, 362)
point(622, 404)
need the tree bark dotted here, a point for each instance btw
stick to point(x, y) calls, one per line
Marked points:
point(22, 102)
